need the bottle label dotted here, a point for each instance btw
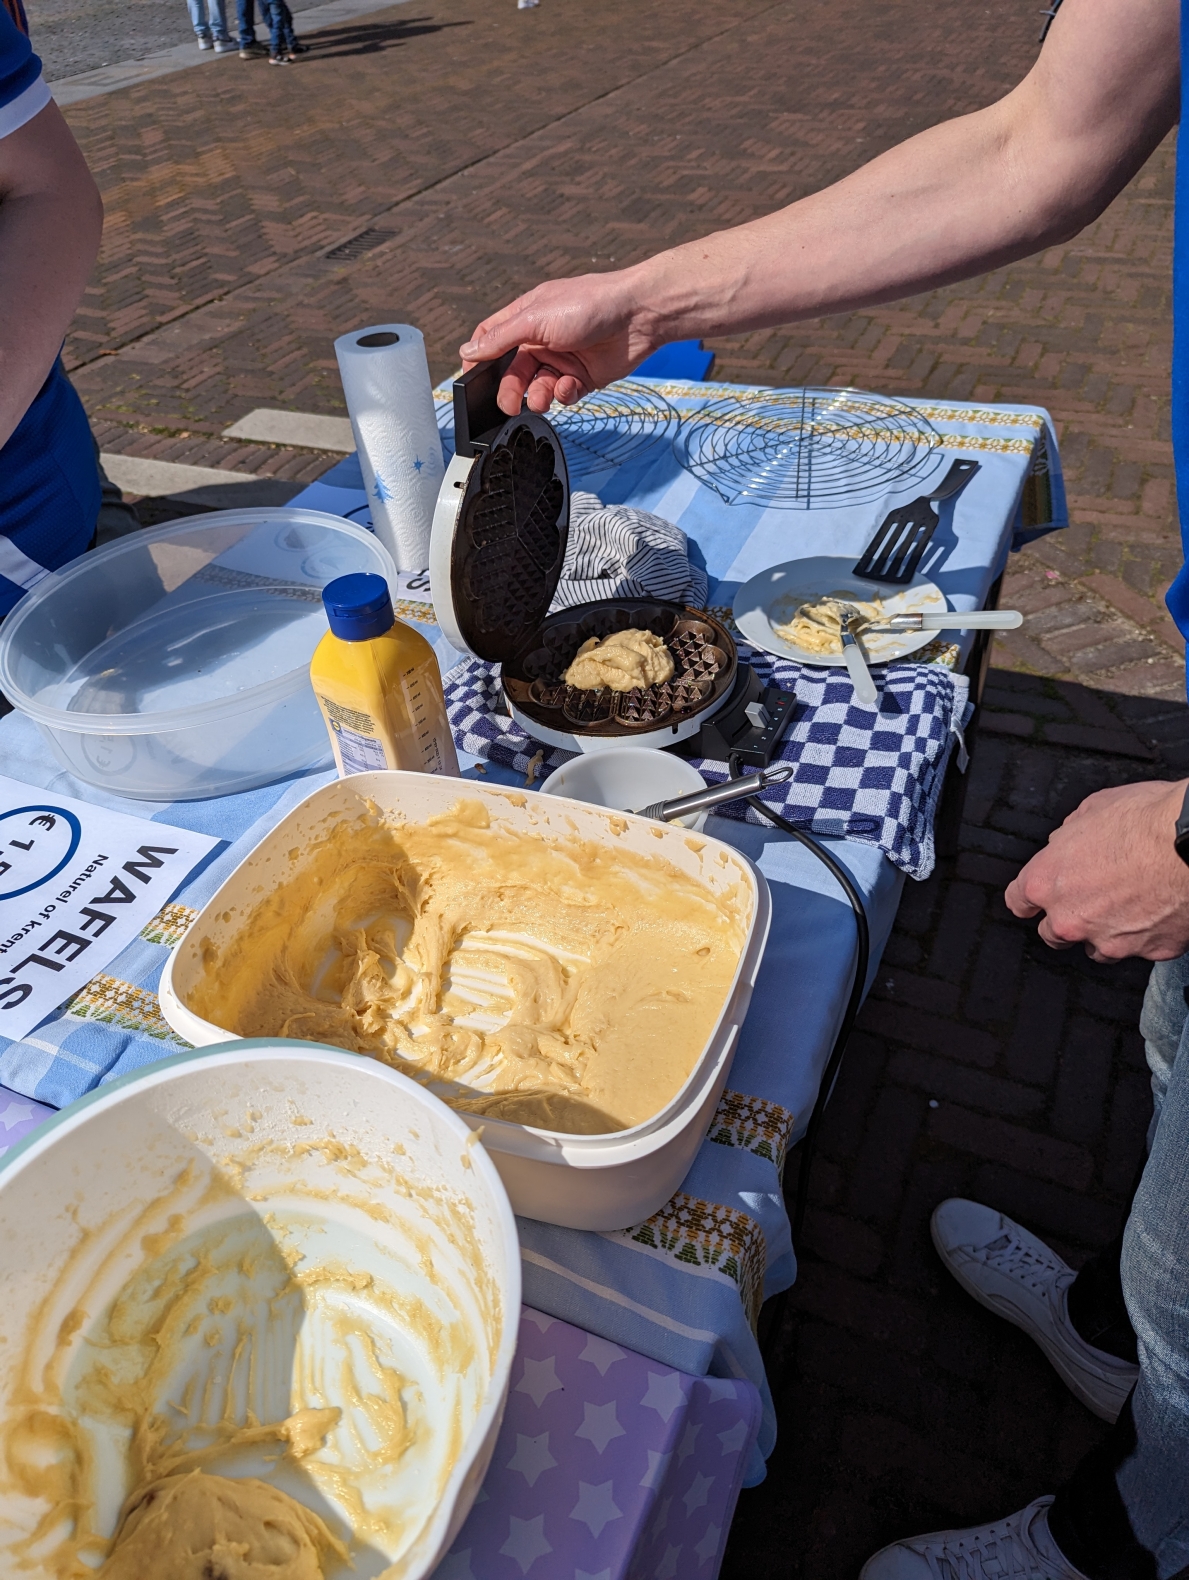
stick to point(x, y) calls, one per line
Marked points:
point(359, 750)
point(360, 753)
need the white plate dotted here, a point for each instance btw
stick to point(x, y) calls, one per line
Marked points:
point(772, 597)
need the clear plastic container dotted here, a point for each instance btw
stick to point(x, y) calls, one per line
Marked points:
point(174, 664)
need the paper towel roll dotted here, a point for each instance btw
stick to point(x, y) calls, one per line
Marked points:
point(386, 383)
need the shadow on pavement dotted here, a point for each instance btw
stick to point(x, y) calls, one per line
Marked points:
point(371, 37)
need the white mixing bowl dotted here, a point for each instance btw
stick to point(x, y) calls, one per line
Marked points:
point(291, 1227)
point(606, 1181)
point(627, 778)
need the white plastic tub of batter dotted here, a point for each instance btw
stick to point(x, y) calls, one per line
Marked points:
point(232, 1237)
point(601, 1182)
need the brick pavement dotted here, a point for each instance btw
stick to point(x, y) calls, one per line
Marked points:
point(502, 146)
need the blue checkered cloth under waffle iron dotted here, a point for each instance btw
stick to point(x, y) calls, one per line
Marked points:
point(862, 774)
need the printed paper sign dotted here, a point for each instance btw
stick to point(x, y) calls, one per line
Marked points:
point(77, 883)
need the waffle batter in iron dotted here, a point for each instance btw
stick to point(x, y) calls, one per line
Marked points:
point(624, 661)
point(561, 983)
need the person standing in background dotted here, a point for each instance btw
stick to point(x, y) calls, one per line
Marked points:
point(283, 43)
point(958, 199)
point(249, 46)
point(209, 20)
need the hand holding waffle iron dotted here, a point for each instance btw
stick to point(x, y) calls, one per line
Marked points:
point(496, 557)
point(492, 596)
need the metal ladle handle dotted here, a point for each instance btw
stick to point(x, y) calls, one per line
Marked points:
point(716, 795)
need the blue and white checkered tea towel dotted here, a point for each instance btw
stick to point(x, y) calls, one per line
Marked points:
point(861, 773)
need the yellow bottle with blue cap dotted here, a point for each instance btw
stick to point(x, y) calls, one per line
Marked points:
point(378, 685)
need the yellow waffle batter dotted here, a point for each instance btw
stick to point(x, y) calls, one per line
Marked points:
point(564, 983)
point(816, 627)
point(623, 661)
point(197, 1526)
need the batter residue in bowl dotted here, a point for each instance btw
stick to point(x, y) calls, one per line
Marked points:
point(816, 627)
point(624, 661)
point(192, 1527)
point(208, 1381)
point(569, 984)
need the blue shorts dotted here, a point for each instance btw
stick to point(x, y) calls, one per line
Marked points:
point(49, 489)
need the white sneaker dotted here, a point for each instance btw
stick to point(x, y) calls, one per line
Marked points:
point(1017, 1276)
point(224, 46)
point(1017, 1548)
point(206, 43)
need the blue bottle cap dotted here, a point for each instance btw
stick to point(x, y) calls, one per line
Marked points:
point(358, 606)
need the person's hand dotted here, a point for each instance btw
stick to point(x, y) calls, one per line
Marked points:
point(1110, 878)
point(574, 337)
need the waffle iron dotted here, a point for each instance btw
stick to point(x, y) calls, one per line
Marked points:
point(496, 554)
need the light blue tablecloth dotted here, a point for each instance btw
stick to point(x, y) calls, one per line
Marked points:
point(684, 1288)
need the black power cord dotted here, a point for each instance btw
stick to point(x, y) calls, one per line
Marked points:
point(862, 956)
point(862, 959)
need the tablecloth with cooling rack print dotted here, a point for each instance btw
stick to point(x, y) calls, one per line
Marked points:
point(755, 476)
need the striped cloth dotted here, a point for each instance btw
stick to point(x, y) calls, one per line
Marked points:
point(617, 551)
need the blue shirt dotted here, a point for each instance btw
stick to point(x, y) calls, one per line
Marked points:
point(1177, 597)
point(49, 481)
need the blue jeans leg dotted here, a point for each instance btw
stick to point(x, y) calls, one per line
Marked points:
point(246, 16)
point(1126, 1509)
point(1154, 1479)
point(209, 18)
point(1162, 1026)
point(280, 26)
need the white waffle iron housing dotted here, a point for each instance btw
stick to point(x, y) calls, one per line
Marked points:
point(496, 554)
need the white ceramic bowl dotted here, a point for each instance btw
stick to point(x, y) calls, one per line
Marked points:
point(581, 1181)
point(627, 778)
point(263, 1157)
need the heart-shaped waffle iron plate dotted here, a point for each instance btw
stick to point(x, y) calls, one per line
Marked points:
point(509, 540)
point(703, 656)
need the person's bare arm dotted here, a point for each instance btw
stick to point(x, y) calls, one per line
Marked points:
point(958, 199)
point(51, 218)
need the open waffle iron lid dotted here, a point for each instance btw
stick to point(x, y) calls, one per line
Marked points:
point(501, 523)
point(496, 555)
